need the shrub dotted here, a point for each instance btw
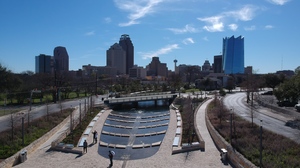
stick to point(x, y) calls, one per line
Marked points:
point(278, 151)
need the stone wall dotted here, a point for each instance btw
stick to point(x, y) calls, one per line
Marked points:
point(201, 140)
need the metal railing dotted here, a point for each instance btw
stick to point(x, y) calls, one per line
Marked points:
point(140, 98)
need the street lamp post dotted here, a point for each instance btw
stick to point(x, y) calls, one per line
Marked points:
point(31, 93)
point(80, 112)
point(231, 113)
point(260, 157)
point(23, 130)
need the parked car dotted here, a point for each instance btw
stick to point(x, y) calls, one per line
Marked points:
point(297, 107)
point(270, 92)
point(286, 103)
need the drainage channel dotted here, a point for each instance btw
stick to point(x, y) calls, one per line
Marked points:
point(134, 135)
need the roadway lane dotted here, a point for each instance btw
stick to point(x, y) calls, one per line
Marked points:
point(271, 121)
point(39, 111)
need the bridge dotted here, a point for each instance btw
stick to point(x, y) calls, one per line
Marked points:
point(134, 99)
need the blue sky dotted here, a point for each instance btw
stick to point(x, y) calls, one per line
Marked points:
point(190, 31)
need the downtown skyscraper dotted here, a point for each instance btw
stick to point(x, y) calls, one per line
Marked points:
point(233, 55)
point(128, 47)
point(61, 59)
point(43, 64)
point(116, 58)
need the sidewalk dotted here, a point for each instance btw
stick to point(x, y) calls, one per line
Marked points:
point(163, 158)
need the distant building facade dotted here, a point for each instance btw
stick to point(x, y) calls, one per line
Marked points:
point(248, 70)
point(137, 72)
point(126, 43)
point(206, 66)
point(233, 55)
point(116, 58)
point(156, 68)
point(43, 64)
point(108, 71)
point(61, 59)
point(217, 64)
point(189, 71)
point(288, 73)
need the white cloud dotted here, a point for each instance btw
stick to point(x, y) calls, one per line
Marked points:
point(162, 51)
point(215, 23)
point(233, 27)
point(269, 27)
point(250, 28)
point(188, 41)
point(205, 38)
point(279, 2)
point(137, 9)
point(244, 14)
point(91, 33)
point(107, 19)
point(186, 29)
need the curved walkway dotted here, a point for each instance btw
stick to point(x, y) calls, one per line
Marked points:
point(163, 158)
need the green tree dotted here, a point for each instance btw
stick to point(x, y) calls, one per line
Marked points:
point(297, 70)
point(272, 80)
point(289, 89)
point(230, 83)
point(8, 80)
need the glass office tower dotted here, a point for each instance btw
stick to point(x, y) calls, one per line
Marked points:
point(233, 55)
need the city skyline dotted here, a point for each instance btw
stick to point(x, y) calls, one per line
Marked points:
point(189, 31)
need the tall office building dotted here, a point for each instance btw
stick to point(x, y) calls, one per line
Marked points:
point(127, 46)
point(217, 64)
point(43, 64)
point(61, 59)
point(233, 55)
point(116, 57)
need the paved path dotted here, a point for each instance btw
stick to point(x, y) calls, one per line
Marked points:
point(163, 158)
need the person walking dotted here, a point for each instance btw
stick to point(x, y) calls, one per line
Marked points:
point(111, 156)
point(85, 146)
point(95, 136)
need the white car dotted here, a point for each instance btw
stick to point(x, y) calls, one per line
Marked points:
point(297, 107)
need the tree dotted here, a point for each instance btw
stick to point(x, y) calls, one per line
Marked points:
point(230, 83)
point(297, 70)
point(289, 89)
point(191, 72)
point(272, 80)
point(174, 81)
point(9, 81)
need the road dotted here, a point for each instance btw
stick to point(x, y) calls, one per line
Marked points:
point(39, 111)
point(271, 121)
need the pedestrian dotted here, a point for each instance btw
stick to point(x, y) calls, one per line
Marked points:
point(111, 156)
point(94, 136)
point(85, 146)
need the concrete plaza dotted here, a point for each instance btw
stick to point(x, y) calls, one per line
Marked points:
point(43, 157)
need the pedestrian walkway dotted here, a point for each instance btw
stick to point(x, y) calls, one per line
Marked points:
point(163, 158)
